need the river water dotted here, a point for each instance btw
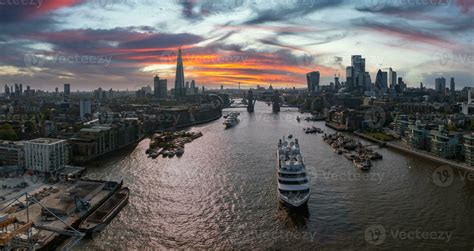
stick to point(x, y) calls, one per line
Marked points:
point(221, 194)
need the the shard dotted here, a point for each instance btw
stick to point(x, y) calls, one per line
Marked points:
point(179, 80)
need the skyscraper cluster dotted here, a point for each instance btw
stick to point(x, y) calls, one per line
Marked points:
point(357, 78)
point(16, 90)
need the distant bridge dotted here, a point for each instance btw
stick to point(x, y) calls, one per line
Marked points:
point(245, 106)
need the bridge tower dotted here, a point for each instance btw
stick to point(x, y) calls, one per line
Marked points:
point(276, 102)
point(250, 102)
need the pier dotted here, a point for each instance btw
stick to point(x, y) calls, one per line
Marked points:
point(48, 212)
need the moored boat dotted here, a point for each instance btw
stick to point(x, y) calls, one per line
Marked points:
point(363, 165)
point(105, 213)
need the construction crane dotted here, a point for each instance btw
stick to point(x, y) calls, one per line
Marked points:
point(11, 228)
point(15, 234)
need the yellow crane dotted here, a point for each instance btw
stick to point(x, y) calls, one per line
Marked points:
point(7, 235)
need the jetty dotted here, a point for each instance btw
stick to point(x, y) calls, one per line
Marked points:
point(169, 144)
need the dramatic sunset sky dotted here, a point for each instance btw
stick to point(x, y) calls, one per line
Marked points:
point(123, 43)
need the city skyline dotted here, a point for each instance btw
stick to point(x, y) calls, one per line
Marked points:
point(231, 42)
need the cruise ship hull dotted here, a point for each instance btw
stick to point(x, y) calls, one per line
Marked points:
point(299, 204)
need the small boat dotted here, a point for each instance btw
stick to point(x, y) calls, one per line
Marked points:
point(363, 165)
point(154, 155)
point(298, 118)
point(179, 151)
point(165, 153)
point(171, 154)
point(231, 121)
point(105, 213)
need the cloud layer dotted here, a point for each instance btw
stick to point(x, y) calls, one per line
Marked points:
point(49, 42)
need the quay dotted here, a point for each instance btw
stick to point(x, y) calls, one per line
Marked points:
point(418, 153)
point(43, 214)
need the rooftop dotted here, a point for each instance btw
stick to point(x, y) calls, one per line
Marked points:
point(45, 141)
point(96, 129)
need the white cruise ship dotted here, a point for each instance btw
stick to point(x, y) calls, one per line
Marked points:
point(293, 186)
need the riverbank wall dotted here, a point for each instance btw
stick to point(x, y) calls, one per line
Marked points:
point(416, 153)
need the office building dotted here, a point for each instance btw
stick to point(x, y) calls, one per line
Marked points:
point(469, 149)
point(392, 78)
point(452, 86)
point(12, 153)
point(45, 155)
point(349, 77)
point(85, 108)
point(468, 108)
point(440, 85)
point(67, 90)
point(312, 79)
point(445, 145)
point(358, 72)
point(193, 87)
point(160, 87)
point(381, 81)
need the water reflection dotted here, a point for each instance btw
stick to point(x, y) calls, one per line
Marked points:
point(293, 217)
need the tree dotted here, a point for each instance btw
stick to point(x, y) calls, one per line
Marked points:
point(7, 132)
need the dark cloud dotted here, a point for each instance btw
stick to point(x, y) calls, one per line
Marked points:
point(274, 42)
point(389, 8)
point(198, 9)
point(405, 31)
point(17, 11)
point(163, 41)
point(288, 11)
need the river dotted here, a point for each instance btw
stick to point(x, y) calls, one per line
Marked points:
point(221, 194)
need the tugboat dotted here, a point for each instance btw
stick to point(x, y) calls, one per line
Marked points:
point(104, 214)
point(293, 187)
